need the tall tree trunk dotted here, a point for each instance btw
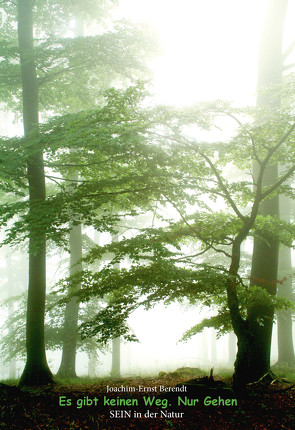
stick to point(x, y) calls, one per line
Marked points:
point(285, 322)
point(11, 308)
point(68, 362)
point(116, 343)
point(67, 367)
point(92, 363)
point(254, 338)
point(36, 371)
point(116, 358)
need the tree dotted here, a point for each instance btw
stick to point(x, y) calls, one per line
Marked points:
point(110, 137)
point(285, 289)
point(68, 362)
point(36, 370)
point(59, 57)
point(67, 367)
point(13, 339)
point(57, 63)
point(264, 270)
point(159, 270)
point(116, 342)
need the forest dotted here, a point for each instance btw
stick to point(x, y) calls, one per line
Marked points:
point(147, 195)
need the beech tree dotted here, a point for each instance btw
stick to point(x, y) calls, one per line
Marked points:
point(264, 270)
point(13, 331)
point(56, 64)
point(160, 166)
point(285, 289)
point(160, 270)
point(36, 370)
point(111, 137)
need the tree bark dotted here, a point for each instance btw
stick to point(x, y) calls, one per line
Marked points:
point(116, 358)
point(68, 362)
point(11, 308)
point(285, 322)
point(116, 342)
point(254, 334)
point(264, 271)
point(36, 371)
point(92, 363)
point(67, 367)
point(232, 348)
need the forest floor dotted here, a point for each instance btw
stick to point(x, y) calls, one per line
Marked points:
point(89, 406)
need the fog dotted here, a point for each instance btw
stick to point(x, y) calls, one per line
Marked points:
point(207, 51)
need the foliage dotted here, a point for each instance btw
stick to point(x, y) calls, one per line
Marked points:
point(132, 159)
point(72, 71)
point(168, 263)
point(71, 74)
point(13, 339)
point(113, 138)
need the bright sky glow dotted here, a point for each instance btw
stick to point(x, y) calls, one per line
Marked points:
point(209, 47)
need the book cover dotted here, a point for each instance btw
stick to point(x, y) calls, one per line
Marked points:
point(146, 181)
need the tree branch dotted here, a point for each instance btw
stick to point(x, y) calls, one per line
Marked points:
point(280, 182)
point(196, 232)
point(221, 184)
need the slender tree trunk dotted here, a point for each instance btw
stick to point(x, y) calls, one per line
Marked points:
point(116, 343)
point(285, 322)
point(265, 250)
point(240, 326)
point(36, 371)
point(92, 363)
point(67, 367)
point(254, 333)
point(68, 362)
point(116, 358)
point(11, 308)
